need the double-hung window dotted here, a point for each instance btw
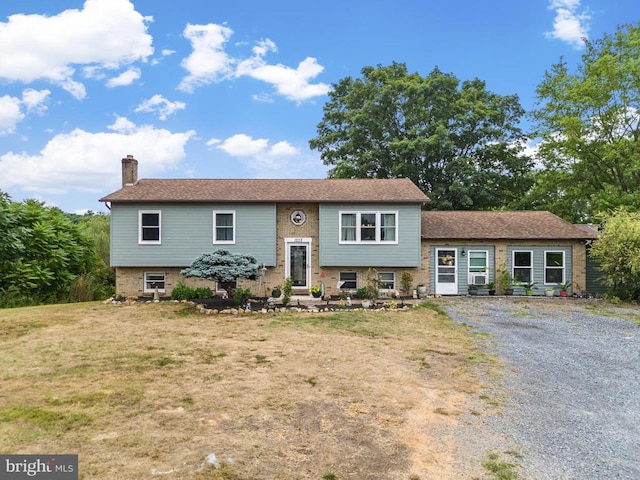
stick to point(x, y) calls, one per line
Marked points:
point(224, 227)
point(523, 266)
point(478, 267)
point(149, 226)
point(553, 267)
point(368, 227)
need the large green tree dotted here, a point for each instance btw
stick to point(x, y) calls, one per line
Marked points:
point(457, 141)
point(618, 253)
point(41, 253)
point(589, 125)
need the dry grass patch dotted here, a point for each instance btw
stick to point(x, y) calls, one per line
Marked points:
point(149, 391)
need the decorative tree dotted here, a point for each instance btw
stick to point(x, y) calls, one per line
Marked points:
point(223, 267)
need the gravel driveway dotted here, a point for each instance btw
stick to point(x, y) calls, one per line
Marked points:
point(572, 383)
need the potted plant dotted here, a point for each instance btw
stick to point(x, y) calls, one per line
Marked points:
point(422, 290)
point(549, 291)
point(316, 291)
point(564, 288)
point(473, 289)
point(492, 288)
point(506, 282)
point(528, 288)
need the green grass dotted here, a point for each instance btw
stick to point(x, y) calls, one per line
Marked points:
point(499, 469)
point(39, 422)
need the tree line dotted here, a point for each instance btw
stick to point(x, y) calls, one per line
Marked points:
point(48, 256)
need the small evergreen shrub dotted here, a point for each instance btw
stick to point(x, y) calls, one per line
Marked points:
point(203, 292)
point(182, 292)
point(241, 295)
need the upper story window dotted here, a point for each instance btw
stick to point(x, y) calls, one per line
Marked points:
point(523, 266)
point(149, 222)
point(224, 227)
point(368, 227)
point(553, 267)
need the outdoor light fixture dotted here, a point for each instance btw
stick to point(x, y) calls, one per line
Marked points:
point(463, 253)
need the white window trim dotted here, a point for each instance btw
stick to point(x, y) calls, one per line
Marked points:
point(152, 290)
point(233, 216)
point(563, 268)
point(358, 240)
point(149, 242)
point(513, 264)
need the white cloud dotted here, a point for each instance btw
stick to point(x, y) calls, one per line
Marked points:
point(34, 100)
point(160, 105)
point(208, 63)
point(263, 160)
point(241, 145)
point(125, 78)
point(569, 25)
point(90, 162)
point(290, 83)
point(10, 114)
point(12, 109)
point(106, 34)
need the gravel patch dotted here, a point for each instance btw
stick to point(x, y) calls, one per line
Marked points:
point(572, 385)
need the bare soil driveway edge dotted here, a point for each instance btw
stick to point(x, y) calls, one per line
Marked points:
point(572, 384)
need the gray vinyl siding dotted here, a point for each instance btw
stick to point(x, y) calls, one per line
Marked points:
point(538, 265)
point(406, 253)
point(187, 232)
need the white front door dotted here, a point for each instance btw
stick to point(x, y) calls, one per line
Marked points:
point(298, 262)
point(446, 271)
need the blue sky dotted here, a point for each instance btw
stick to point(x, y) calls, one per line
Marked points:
point(222, 89)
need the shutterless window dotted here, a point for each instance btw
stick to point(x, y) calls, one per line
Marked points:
point(223, 227)
point(388, 227)
point(348, 227)
point(477, 261)
point(149, 222)
point(368, 227)
point(522, 267)
point(153, 280)
point(387, 280)
point(553, 267)
point(349, 280)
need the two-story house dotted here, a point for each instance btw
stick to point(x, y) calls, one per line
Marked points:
point(325, 232)
point(331, 233)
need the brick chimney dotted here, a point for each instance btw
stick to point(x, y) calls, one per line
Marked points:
point(129, 171)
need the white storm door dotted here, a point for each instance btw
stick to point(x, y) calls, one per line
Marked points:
point(446, 271)
point(298, 262)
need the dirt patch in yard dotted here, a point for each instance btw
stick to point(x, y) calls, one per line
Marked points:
point(154, 390)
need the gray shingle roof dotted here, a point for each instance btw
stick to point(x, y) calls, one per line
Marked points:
point(513, 225)
point(400, 190)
